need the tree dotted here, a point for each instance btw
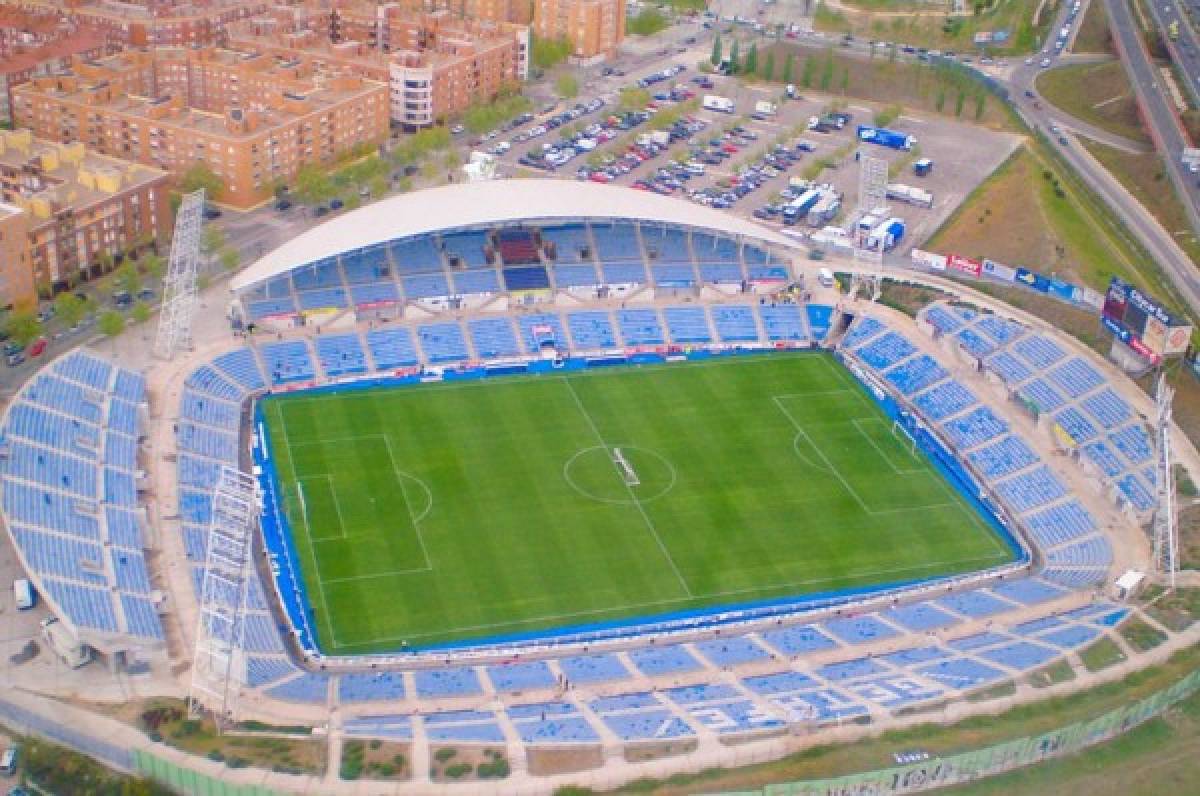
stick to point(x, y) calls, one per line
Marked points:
point(69, 308)
point(567, 85)
point(128, 278)
point(230, 258)
point(769, 66)
point(211, 239)
point(111, 323)
point(313, 185)
point(827, 71)
point(806, 76)
point(648, 22)
point(717, 52)
point(198, 176)
point(154, 266)
point(23, 326)
point(549, 52)
point(735, 54)
point(940, 102)
point(845, 81)
point(140, 312)
point(788, 68)
point(634, 99)
point(959, 101)
point(980, 105)
point(751, 66)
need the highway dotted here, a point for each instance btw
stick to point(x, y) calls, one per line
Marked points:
point(1159, 115)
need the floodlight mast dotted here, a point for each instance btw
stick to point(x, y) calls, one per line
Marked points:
point(219, 663)
point(179, 287)
point(1166, 519)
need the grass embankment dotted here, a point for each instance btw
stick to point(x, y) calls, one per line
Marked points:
point(1098, 94)
point(1157, 757)
point(974, 733)
point(912, 85)
point(1023, 214)
point(1146, 178)
point(929, 26)
point(1094, 35)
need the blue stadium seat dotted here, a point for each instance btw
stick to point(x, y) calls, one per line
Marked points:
point(442, 342)
point(287, 360)
point(640, 327)
point(341, 354)
point(735, 323)
point(591, 329)
point(687, 324)
point(391, 348)
point(782, 322)
point(493, 337)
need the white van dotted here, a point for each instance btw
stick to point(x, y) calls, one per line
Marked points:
point(825, 277)
point(23, 592)
point(8, 761)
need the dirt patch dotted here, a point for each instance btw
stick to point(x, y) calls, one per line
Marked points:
point(467, 763)
point(545, 762)
point(1189, 537)
point(640, 753)
point(376, 759)
point(1098, 94)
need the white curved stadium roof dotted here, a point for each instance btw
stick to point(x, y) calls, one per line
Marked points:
point(492, 202)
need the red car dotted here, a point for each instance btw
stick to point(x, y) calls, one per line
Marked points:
point(599, 176)
point(39, 346)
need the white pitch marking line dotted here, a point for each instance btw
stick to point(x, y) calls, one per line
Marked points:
point(793, 586)
point(833, 470)
point(880, 451)
point(416, 521)
point(312, 547)
point(632, 496)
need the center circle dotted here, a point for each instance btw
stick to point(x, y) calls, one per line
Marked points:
point(597, 473)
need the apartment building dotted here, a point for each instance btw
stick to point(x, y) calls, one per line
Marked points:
point(16, 276)
point(252, 117)
point(436, 63)
point(595, 28)
point(64, 206)
point(141, 23)
point(38, 42)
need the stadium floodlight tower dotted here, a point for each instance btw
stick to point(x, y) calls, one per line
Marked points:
point(1166, 530)
point(219, 665)
point(179, 286)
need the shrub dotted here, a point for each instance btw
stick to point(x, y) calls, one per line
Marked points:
point(497, 769)
point(458, 770)
point(444, 754)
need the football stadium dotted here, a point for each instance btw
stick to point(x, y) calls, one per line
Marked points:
point(580, 483)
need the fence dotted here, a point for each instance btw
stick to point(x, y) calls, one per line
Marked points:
point(981, 763)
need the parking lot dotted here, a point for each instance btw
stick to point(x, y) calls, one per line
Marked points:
point(746, 161)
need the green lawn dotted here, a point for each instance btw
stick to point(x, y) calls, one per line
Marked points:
point(476, 509)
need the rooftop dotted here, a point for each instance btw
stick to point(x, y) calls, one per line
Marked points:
point(486, 204)
point(68, 174)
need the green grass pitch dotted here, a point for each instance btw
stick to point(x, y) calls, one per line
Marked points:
point(459, 511)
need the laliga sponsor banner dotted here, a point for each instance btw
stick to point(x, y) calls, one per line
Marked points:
point(1033, 280)
point(999, 271)
point(1092, 298)
point(1064, 290)
point(966, 265)
point(924, 259)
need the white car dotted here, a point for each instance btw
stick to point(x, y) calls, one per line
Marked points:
point(1045, 63)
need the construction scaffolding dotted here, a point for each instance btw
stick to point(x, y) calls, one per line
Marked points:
point(219, 666)
point(179, 287)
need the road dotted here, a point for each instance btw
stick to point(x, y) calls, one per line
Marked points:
point(1169, 139)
